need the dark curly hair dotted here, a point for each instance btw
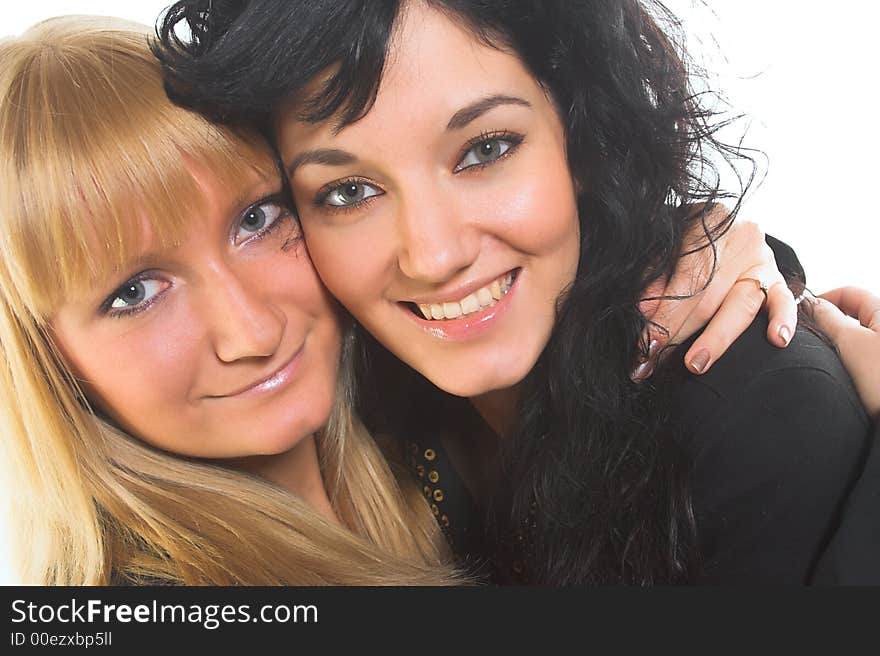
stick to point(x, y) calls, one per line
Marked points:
point(593, 468)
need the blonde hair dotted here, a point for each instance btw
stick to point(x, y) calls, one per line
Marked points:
point(87, 134)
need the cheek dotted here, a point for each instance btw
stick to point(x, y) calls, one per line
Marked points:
point(132, 375)
point(351, 260)
point(299, 288)
point(148, 369)
point(536, 214)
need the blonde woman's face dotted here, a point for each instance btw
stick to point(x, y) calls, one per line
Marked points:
point(225, 345)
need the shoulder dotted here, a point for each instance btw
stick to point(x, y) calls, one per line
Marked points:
point(804, 384)
point(775, 438)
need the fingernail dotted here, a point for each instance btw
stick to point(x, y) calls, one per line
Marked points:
point(699, 362)
point(653, 347)
point(785, 334)
point(642, 371)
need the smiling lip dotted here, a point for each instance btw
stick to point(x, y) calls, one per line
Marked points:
point(470, 326)
point(458, 293)
point(274, 381)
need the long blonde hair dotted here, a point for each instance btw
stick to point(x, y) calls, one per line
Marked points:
point(87, 134)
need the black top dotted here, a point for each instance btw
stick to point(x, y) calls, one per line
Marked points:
point(776, 438)
point(853, 557)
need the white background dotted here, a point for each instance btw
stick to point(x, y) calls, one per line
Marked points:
point(805, 76)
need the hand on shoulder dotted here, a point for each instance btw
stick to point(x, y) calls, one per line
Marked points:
point(850, 316)
point(708, 291)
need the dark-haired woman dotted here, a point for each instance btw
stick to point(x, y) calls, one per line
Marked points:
point(488, 188)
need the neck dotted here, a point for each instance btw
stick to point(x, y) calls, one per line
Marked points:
point(474, 450)
point(296, 470)
point(498, 409)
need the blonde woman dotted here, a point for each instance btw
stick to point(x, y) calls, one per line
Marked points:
point(170, 356)
point(173, 404)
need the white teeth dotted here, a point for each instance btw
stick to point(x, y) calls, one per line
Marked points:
point(452, 310)
point(482, 298)
point(470, 304)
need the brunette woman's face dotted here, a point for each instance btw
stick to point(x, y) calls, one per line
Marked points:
point(225, 345)
point(445, 220)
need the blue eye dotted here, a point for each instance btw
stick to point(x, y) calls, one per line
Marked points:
point(487, 150)
point(259, 219)
point(134, 295)
point(349, 194)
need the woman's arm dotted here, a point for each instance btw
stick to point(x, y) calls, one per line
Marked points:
point(729, 303)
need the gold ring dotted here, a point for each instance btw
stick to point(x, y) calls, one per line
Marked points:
point(759, 283)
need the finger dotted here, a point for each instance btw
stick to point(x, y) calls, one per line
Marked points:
point(782, 314)
point(831, 321)
point(833, 295)
point(744, 244)
point(858, 349)
point(651, 335)
point(689, 307)
point(747, 301)
point(739, 309)
point(650, 298)
point(858, 303)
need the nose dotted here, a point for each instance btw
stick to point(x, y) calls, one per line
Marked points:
point(244, 322)
point(436, 238)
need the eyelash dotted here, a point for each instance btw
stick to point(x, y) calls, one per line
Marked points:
point(285, 216)
point(515, 140)
point(322, 194)
point(115, 313)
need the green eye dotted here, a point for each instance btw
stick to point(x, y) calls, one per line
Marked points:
point(485, 152)
point(258, 218)
point(254, 219)
point(135, 295)
point(349, 194)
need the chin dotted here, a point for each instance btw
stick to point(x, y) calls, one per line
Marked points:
point(490, 380)
point(281, 442)
point(302, 421)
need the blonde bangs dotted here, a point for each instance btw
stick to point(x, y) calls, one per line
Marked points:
point(94, 156)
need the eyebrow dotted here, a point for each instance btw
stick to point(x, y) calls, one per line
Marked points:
point(327, 156)
point(461, 118)
point(472, 112)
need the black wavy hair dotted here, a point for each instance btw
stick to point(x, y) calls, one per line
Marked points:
point(592, 476)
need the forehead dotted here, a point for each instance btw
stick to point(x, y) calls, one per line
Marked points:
point(434, 64)
point(429, 49)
